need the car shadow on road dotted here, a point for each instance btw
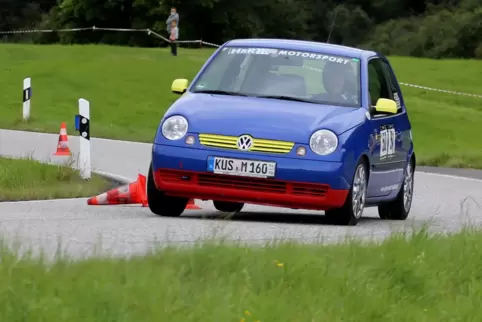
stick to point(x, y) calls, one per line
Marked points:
point(272, 217)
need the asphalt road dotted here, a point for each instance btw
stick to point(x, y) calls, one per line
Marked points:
point(444, 201)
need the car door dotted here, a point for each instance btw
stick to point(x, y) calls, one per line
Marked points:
point(386, 158)
point(403, 122)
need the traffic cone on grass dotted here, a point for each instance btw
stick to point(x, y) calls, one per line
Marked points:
point(132, 193)
point(63, 145)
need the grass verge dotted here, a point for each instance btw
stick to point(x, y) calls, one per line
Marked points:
point(129, 89)
point(421, 278)
point(26, 179)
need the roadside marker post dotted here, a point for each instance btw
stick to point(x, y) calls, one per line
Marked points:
point(27, 94)
point(82, 125)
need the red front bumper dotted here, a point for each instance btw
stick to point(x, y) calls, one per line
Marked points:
point(206, 186)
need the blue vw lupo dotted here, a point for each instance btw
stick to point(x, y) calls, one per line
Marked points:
point(286, 123)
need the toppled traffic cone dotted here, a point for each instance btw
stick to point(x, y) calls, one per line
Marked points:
point(192, 205)
point(132, 193)
point(63, 145)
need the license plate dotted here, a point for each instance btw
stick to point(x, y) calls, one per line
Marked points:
point(240, 167)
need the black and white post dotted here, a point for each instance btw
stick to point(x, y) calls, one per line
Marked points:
point(84, 131)
point(27, 94)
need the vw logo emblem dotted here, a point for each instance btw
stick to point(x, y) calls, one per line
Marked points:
point(245, 142)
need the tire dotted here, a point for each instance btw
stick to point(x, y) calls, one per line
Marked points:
point(225, 206)
point(399, 208)
point(159, 203)
point(350, 213)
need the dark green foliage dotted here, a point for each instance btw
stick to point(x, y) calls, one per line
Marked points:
point(430, 28)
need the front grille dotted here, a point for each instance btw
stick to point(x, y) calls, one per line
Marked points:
point(244, 183)
point(259, 145)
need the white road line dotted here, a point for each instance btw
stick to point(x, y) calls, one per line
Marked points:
point(450, 176)
point(40, 201)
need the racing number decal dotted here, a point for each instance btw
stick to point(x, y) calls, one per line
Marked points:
point(387, 141)
point(383, 144)
point(391, 141)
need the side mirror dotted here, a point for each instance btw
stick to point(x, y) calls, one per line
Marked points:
point(179, 86)
point(385, 106)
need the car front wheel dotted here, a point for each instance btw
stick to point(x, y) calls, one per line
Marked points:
point(159, 203)
point(352, 210)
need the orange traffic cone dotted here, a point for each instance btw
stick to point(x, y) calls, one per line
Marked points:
point(132, 193)
point(63, 145)
point(192, 205)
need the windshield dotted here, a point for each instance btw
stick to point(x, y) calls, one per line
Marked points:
point(284, 74)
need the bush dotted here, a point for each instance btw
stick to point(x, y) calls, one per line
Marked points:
point(442, 33)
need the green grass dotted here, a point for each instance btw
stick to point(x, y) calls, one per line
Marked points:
point(445, 126)
point(129, 89)
point(421, 278)
point(27, 179)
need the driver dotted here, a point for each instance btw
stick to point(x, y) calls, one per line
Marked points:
point(338, 84)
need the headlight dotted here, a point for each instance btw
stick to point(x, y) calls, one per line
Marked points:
point(323, 142)
point(174, 127)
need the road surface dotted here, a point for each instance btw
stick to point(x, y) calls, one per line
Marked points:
point(445, 201)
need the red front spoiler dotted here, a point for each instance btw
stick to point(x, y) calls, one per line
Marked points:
point(206, 186)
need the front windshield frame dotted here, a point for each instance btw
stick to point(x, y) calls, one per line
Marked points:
point(246, 52)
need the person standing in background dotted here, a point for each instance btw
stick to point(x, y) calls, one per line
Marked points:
point(174, 16)
point(173, 37)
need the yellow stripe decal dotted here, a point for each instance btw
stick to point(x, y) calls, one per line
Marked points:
point(259, 145)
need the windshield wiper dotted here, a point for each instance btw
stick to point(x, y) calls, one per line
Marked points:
point(286, 98)
point(215, 91)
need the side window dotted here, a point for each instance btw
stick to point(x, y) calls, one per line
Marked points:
point(378, 85)
point(393, 85)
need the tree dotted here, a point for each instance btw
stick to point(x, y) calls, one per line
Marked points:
point(430, 28)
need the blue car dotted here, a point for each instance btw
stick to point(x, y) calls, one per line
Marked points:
point(286, 123)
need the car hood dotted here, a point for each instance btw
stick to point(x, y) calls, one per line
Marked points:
point(262, 118)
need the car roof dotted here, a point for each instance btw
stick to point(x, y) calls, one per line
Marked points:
point(292, 44)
